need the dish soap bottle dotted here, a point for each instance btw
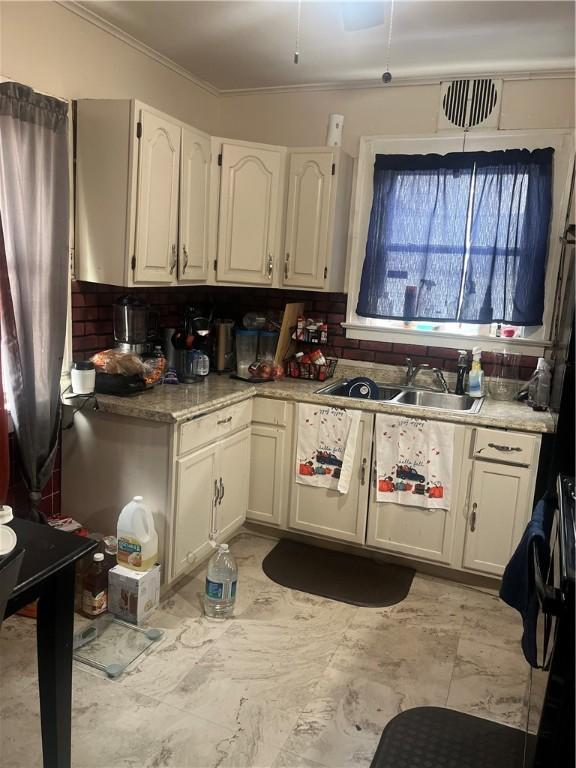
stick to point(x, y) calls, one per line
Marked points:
point(476, 377)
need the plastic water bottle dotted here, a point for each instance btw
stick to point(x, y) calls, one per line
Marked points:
point(221, 579)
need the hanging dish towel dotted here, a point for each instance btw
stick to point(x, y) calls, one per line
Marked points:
point(414, 461)
point(326, 448)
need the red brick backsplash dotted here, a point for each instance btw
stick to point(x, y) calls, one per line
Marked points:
point(92, 320)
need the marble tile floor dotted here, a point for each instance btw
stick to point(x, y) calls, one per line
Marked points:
point(292, 681)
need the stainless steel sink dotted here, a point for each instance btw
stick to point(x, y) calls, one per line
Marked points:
point(440, 400)
point(443, 401)
point(338, 389)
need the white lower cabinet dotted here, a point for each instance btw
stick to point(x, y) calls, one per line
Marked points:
point(195, 478)
point(269, 462)
point(332, 514)
point(499, 502)
point(234, 472)
point(211, 490)
point(424, 534)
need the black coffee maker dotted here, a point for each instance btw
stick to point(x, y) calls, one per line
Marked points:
point(200, 327)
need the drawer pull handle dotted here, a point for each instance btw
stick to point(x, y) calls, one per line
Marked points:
point(363, 472)
point(503, 448)
point(225, 421)
point(473, 517)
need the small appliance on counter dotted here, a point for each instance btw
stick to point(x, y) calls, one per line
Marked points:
point(224, 358)
point(130, 318)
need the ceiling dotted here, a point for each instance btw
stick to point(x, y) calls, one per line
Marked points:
point(248, 45)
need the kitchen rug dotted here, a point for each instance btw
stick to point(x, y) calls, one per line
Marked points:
point(443, 738)
point(337, 575)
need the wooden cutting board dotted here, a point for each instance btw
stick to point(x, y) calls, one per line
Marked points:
point(289, 321)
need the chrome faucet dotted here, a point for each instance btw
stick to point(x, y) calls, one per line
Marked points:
point(413, 370)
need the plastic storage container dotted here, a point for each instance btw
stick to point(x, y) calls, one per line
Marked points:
point(267, 345)
point(246, 351)
point(137, 538)
point(221, 580)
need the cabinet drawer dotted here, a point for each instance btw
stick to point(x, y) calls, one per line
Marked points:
point(504, 447)
point(269, 411)
point(205, 429)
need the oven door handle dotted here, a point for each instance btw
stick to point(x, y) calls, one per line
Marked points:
point(551, 599)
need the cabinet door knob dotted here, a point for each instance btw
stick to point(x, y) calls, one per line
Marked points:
point(190, 558)
point(473, 517)
point(270, 266)
point(185, 262)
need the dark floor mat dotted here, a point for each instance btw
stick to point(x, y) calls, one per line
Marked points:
point(430, 737)
point(337, 575)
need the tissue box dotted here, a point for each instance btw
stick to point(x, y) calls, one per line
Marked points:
point(133, 595)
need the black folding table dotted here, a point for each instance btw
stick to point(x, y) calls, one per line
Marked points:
point(47, 575)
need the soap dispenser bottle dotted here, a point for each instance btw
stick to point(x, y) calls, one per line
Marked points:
point(462, 370)
point(476, 377)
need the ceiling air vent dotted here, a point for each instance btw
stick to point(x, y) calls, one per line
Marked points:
point(469, 104)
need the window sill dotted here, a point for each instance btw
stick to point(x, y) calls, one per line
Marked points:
point(533, 348)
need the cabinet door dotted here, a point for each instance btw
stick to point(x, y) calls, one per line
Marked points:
point(270, 462)
point(497, 510)
point(194, 197)
point(157, 201)
point(308, 219)
point(234, 473)
point(329, 513)
point(195, 477)
point(249, 214)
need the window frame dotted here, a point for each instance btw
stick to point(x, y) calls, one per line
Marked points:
point(539, 339)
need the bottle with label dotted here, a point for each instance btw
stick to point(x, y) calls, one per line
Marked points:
point(137, 537)
point(539, 386)
point(476, 376)
point(95, 588)
point(462, 369)
point(221, 581)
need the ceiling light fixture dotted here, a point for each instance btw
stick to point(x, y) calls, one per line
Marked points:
point(387, 77)
point(297, 46)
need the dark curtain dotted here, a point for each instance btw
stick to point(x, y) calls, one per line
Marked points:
point(416, 244)
point(417, 266)
point(33, 272)
point(509, 237)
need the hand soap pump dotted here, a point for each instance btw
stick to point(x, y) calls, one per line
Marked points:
point(476, 377)
point(462, 369)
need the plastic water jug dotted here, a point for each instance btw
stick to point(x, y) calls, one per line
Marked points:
point(221, 580)
point(137, 537)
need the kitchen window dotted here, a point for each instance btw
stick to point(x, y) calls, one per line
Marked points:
point(447, 244)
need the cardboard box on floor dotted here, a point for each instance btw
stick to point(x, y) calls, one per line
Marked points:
point(133, 595)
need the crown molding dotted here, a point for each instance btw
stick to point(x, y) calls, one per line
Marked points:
point(410, 80)
point(120, 34)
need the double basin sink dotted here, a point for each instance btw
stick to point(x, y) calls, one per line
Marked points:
point(424, 398)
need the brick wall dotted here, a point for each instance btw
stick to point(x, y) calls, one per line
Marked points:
point(92, 320)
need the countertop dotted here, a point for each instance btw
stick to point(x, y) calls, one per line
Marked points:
point(182, 402)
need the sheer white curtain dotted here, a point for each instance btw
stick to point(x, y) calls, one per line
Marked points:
point(34, 211)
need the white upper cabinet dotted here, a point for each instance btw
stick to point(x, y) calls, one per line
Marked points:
point(319, 182)
point(156, 248)
point(307, 219)
point(249, 220)
point(142, 194)
point(194, 202)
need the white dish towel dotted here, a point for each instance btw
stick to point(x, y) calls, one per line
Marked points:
point(414, 461)
point(326, 447)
